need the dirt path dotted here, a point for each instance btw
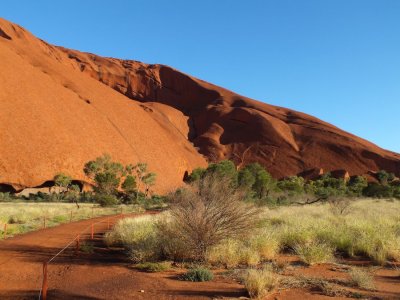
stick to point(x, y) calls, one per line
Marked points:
point(106, 273)
point(102, 275)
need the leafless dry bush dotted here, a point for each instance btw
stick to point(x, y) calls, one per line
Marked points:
point(206, 213)
point(340, 206)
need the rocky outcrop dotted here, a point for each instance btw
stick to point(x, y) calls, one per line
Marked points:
point(224, 125)
point(60, 108)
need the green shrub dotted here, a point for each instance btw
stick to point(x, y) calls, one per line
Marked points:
point(5, 197)
point(198, 274)
point(87, 247)
point(17, 219)
point(378, 191)
point(106, 200)
point(154, 267)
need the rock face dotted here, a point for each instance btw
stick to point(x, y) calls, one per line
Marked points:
point(54, 118)
point(60, 108)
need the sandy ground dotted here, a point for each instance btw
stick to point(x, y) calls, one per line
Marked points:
point(107, 274)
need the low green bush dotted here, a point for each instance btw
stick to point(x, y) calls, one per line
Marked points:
point(5, 197)
point(198, 274)
point(106, 200)
point(87, 247)
point(153, 267)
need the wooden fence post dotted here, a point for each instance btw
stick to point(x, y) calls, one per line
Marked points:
point(108, 223)
point(5, 230)
point(44, 222)
point(77, 245)
point(92, 231)
point(44, 283)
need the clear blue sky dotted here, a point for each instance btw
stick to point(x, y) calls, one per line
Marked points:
point(338, 60)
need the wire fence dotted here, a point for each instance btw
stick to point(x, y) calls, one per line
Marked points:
point(18, 223)
point(87, 232)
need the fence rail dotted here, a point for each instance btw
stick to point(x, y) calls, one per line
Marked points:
point(88, 230)
point(11, 227)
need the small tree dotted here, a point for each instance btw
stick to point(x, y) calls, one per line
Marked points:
point(293, 185)
point(129, 184)
point(328, 186)
point(106, 183)
point(264, 183)
point(356, 185)
point(149, 180)
point(246, 179)
point(376, 190)
point(340, 206)
point(62, 180)
point(105, 173)
point(73, 194)
point(144, 179)
point(384, 177)
point(396, 192)
point(196, 174)
point(224, 169)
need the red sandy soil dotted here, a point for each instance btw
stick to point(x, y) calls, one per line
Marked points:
point(60, 108)
point(386, 280)
point(102, 275)
point(108, 274)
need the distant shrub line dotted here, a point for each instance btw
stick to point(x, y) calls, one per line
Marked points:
point(113, 183)
point(261, 188)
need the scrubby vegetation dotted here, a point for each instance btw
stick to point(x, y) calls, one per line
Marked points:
point(113, 184)
point(314, 233)
point(233, 218)
point(261, 188)
point(22, 217)
point(371, 230)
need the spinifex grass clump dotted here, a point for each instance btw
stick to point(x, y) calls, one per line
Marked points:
point(139, 236)
point(362, 278)
point(260, 282)
point(314, 253)
point(370, 229)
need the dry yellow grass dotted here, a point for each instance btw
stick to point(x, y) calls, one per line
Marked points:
point(22, 217)
point(371, 228)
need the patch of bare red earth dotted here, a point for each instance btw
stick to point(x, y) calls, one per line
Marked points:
point(105, 274)
point(386, 280)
